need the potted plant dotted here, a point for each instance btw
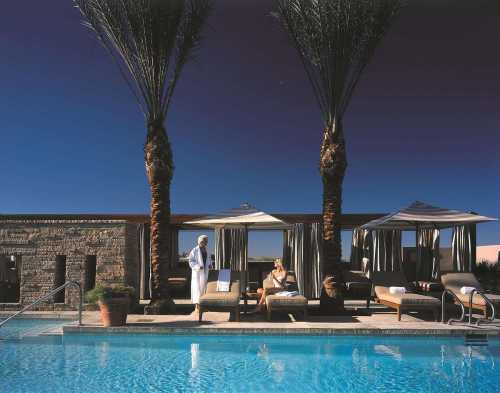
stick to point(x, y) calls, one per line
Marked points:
point(113, 301)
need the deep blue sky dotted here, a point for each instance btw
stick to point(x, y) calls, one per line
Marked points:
point(424, 122)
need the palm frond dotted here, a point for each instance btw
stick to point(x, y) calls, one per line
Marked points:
point(151, 41)
point(335, 40)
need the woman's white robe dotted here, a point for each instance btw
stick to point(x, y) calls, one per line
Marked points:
point(198, 276)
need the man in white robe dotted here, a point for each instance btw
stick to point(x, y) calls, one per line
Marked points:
point(200, 264)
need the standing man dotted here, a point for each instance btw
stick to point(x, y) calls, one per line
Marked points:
point(200, 264)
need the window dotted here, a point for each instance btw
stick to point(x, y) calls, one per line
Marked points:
point(10, 278)
point(90, 270)
point(60, 278)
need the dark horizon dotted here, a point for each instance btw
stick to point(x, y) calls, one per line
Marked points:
point(423, 123)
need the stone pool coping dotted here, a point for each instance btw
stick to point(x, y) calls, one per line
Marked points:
point(266, 331)
point(376, 324)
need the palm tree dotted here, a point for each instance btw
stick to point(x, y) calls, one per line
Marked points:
point(335, 40)
point(151, 41)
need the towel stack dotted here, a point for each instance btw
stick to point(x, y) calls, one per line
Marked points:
point(467, 290)
point(397, 290)
point(287, 293)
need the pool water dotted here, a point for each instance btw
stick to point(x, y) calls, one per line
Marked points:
point(163, 363)
point(19, 328)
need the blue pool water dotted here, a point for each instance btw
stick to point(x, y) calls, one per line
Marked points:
point(162, 363)
point(25, 327)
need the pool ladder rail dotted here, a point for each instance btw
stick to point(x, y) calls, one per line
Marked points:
point(48, 296)
point(462, 307)
point(443, 307)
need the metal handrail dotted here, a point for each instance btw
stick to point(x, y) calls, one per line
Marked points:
point(47, 296)
point(457, 300)
point(488, 302)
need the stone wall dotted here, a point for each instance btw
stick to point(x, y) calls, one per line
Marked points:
point(113, 242)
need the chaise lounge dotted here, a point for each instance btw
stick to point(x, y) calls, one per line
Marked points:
point(285, 303)
point(214, 300)
point(455, 281)
point(409, 301)
point(357, 285)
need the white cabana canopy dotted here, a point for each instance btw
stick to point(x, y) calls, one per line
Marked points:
point(244, 216)
point(422, 215)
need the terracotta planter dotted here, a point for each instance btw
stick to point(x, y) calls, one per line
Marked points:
point(114, 311)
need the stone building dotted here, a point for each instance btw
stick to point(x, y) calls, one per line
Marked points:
point(40, 253)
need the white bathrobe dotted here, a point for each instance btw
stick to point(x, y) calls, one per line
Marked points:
point(198, 277)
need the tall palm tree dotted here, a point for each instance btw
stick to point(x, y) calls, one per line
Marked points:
point(151, 41)
point(335, 40)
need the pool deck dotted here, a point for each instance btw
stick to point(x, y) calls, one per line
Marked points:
point(377, 321)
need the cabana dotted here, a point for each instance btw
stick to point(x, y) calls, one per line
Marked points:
point(231, 233)
point(380, 239)
point(301, 245)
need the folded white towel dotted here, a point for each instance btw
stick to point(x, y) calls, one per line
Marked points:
point(466, 290)
point(287, 293)
point(223, 280)
point(397, 290)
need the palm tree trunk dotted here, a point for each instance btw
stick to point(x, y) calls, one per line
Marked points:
point(333, 164)
point(159, 169)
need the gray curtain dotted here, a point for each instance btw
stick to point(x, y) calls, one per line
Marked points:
point(231, 249)
point(144, 244)
point(462, 248)
point(174, 248)
point(287, 248)
point(428, 254)
point(316, 253)
point(302, 254)
point(387, 254)
point(359, 248)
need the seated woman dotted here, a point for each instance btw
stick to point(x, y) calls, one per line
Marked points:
point(278, 279)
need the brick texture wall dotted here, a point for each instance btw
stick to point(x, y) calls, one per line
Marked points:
point(39, 242)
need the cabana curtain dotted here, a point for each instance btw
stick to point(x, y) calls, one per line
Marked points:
point(144, 246)
point(360, 247)
point(461, 249)
point(174, 248)
point(428, 248)
point(387, 255)
point(231, 248)
point(302, 253)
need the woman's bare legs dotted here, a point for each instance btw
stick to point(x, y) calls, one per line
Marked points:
point(264, 292)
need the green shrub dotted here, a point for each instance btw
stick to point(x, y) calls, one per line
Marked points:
point(488, 275)
point(103, 293)
point(485, 267)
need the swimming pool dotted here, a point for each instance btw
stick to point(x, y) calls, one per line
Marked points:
point(162, 363)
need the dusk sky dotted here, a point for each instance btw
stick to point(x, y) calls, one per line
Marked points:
point(424, 122)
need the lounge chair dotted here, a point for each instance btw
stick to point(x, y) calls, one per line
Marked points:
point(357, 285)
point(213, 300)
point(296, 303)
point(408, 301)
point(455, 281)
